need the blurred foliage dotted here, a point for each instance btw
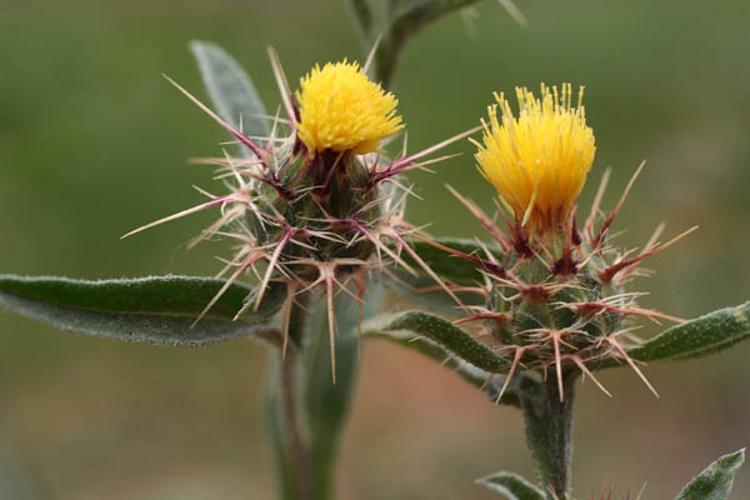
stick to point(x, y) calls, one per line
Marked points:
point(93, 142)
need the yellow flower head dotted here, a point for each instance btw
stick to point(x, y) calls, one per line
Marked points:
point(538, 162)
point(342, 110)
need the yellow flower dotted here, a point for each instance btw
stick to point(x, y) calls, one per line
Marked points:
point(538, 162)
point(342, 110)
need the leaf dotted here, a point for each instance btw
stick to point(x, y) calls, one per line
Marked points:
point(422, 290)
point(363, 15)
point(709, 333)
point(156, 309)
point(490, 383)
point(451, 267)
point(231, 90)
point(447, 335)
point(326, 404)
point(715, 482)
point(513, 486)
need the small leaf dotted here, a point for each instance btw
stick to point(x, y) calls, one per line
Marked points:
point(422, 290)
point(448, 336)
point(490, 383)
point(513, 486)
point(231, 90)
point(715, 482)
point(450, 267)
point(157, 309)
point(710, 333)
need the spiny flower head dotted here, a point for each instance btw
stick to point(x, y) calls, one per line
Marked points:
point(319, 222)
point(557, 306)
point(539, 160)
point(340, 109)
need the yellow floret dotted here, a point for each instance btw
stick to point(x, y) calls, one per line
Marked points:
point(538, 162)
point(342, 110)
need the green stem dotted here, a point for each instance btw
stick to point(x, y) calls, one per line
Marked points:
point(287, 418)
point(297, 451)
point(549, 426)
point(402, 24)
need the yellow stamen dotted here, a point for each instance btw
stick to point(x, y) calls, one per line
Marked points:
point(342, 110)
point(538, 162)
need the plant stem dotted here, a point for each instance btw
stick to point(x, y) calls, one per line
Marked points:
point(297, 450)
point(287, 416)
point(549, 426)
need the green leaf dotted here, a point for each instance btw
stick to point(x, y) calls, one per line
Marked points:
point(231, 90)
point(422, 291)
point(710, 333)
point(490, 383)
point(326, 404)
point(513, 486)
point(451, 267)
point(715, 482)
point(157, 309)
point(363, 15)
point(445, 334)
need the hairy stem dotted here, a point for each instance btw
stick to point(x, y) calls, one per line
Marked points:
point(287, 417)
point(297, 451)
point(549, 426)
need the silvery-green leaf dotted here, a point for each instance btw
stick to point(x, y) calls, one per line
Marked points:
point(490, 383)
point(697, 337)
point(512, 486)
point(451, 267)
point(155, 309)
point(715, 482)
point(231, 90)
point(445, 334)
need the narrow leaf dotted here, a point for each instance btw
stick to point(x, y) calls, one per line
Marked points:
point(710, 333)
point(157, 309)
point(422, 291)
point(451, 267)
point(513, 486)
point(490, 383)
point(453, 339)
point(231, 90)
point(715, 482)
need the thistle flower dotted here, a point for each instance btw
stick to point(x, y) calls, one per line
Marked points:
point(538, 161)
point(552, 305)
point(320, 221)
point(342, 110)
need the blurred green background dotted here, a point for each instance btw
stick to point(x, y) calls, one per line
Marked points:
point(93, 142)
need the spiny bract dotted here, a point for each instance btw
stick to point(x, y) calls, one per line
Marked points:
point(553, 298)
point(318, 216)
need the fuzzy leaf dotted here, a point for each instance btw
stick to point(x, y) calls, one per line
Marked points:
point(715, 482)
point(446, 335)
point(513, 486)
point(422, 291)
point(490, 383)
point(231, 90)
point(451, 267)
point(157, 309)
point(704, 335)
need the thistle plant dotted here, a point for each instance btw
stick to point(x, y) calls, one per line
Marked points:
point(549, 301)
point(314, 208)
point(315, 212)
